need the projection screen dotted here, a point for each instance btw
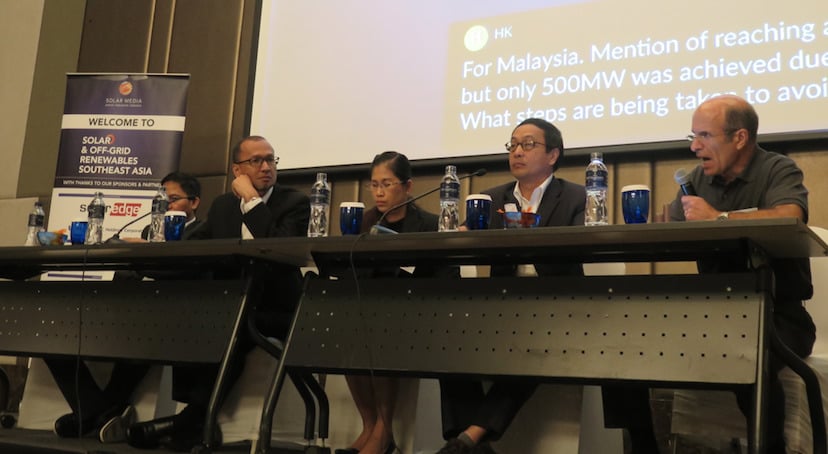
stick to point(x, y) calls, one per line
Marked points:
point(338, 82)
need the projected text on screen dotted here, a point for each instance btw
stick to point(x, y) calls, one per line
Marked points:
point(503, 70)
point(438, 79)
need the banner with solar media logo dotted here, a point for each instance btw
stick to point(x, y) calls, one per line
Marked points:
point(120, 135)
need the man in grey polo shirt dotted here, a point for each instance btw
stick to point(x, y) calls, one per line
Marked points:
point(737, 179)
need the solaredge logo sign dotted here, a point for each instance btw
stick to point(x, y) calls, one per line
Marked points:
point(118, 209)
point(125, 209)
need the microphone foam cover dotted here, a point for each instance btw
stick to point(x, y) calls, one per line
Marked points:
point(681, 176)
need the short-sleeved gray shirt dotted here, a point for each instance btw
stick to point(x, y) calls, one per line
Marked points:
point(770, 179)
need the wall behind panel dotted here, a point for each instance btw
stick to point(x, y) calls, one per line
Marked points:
point(57, 54)
point(202, 38)
point(19, 24)
point(116, 36)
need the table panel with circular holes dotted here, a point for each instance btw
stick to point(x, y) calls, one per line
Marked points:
point(657, 328)
point(169, 321)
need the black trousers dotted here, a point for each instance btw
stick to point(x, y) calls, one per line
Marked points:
point(465, 403)
point(272, 312)
point(83, 394)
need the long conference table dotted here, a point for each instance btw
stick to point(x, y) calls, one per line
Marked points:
point(677, 330)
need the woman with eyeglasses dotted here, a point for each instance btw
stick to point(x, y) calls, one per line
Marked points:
point(376, 397)
point(391, 186)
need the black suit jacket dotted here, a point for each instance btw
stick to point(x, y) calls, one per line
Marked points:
point(416, 220)
point(562, 204)
point(286, 213)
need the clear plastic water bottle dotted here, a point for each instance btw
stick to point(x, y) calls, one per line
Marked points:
point(597, 179)
point(320, 206)
point(449, 199)
point(96, 210)
point(36, 219)
point(160, 202)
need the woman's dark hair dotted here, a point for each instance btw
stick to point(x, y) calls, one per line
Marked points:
point(397, 162)
point(401, 169)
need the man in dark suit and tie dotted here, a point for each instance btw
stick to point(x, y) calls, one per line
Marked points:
point(257, 207)
point(472, 418)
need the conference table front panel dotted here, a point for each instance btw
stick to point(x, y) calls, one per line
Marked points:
point(181, 318)
point(688, 329)
point(182, 321)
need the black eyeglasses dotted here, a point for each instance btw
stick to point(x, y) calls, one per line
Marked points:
point(258, 160)
point(175, 198)
point(526, 144)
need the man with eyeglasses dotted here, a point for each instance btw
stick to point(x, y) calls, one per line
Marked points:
point(737, 179)
point(256, 207)
point(472, 418)
point(184, 194)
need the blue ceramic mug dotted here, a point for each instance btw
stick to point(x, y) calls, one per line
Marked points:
point(174, 224)
point(478, 211)
point(350, 217)
point(635, 203)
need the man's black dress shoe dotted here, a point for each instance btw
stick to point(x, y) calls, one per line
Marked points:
point(455, 446)
point(148, 435)
point(186, 437)
point(68, 425)
point(483, 448)
point(114, 430)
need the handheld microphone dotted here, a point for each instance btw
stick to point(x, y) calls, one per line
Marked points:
point(683, 180)
point(117, 237)
point(377, 228)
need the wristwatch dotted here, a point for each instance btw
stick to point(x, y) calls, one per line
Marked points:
point(724, 216)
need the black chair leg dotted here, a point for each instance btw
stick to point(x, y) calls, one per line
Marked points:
point(322, 400)
point(307, 398)
point(812, 391)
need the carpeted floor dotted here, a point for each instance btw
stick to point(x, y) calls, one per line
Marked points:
point(24, 441)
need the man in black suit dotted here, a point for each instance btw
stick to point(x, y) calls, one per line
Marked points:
point(256, 207)
point(472, 418)
point(107, 412)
